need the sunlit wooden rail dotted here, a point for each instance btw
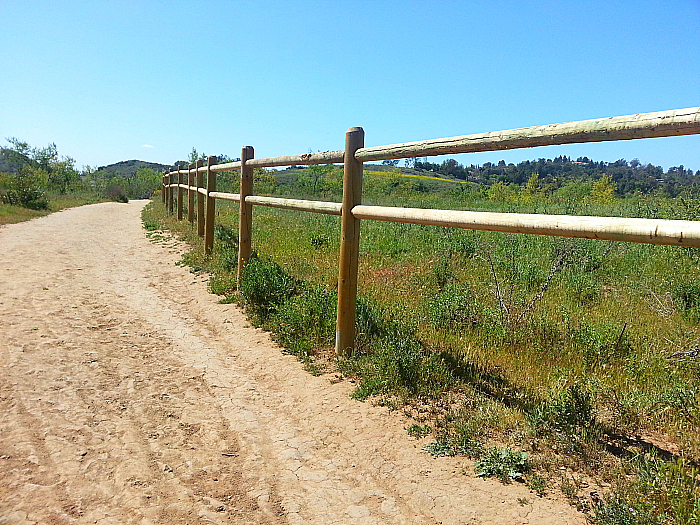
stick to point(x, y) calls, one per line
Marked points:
point(645, 125)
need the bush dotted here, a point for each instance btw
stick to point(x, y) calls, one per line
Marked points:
point(570, 412)
point(24, 190)
point(453, 308)
point(116, 193)
point(503, 464)
point(306, 322)
point(265, 286)
point(686, 297)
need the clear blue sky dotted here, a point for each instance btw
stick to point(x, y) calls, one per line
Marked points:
point(110, 81)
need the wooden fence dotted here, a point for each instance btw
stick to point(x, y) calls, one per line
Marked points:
point(351, 210)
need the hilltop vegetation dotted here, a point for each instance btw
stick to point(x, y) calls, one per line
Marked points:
point(36, 181)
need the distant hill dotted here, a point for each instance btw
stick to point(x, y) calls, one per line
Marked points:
point(6, 164)
point(127, 168)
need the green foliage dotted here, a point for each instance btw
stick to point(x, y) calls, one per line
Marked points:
point(24, 189)
point(503, 464)
point(570, 412)
point(265, 285)
point(306, 322)
point(686, 296)
point(454, 307)
point(418, 431)
point(612, 510)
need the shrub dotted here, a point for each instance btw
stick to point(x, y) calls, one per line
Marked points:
point(503, 464)
point(116, 193)
point(24, 190)
point(265, 286)
point(601, 343)
point(686, 296)
point(307, 321)
point(453, 308)
point(613, 510)
point(570, 412)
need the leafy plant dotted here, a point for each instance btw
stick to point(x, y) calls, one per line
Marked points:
point(503, 464)
point(453, 308)
point(265, 286)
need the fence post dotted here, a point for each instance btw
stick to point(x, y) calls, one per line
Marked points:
point(211, 208)
point(200, 200)
point(349, 244)
point(162, 187)
point(180, 180)
point(245, 216)
point(171, 192)
point(190, 194)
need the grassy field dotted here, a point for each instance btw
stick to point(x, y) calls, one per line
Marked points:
point(10, 214)
point(565, 364)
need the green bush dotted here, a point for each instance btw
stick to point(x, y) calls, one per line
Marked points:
point(454, 307)
point(24, 190)
point(306, 321)
point(570, 411)
point(600, 343)
point(686, 297)
point(503, 464)
point(613, 510)
point(265, 286)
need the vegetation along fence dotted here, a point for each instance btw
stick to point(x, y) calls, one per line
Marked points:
point(351, 210)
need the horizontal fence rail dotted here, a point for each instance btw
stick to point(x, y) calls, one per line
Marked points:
point(650, 231)
point(643, 126)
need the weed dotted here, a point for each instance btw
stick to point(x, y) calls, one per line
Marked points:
point(265, 286)
point(503, 464)
point(151, 225)
point(613, 510)
point(686, 296)
point(454, 307)
point(419, 431)
point(226, 235)
point(570, 412)
point(537, 484)
point(306, 321)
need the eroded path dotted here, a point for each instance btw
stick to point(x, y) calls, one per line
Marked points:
point(128, 395)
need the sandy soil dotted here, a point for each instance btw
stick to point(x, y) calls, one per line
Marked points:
point(128, 395)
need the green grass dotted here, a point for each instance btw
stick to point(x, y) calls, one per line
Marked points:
point(561, 349)
point(10, 214)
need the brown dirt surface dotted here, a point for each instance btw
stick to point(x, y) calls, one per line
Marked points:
point(129, 395)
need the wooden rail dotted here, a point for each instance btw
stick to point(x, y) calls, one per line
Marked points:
point(645, 125)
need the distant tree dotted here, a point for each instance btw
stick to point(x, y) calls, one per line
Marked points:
point(603, 190)
point(394, 162)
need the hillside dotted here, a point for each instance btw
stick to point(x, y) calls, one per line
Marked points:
point(127, 168)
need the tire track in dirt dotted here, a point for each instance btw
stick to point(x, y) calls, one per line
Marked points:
point(129, 395)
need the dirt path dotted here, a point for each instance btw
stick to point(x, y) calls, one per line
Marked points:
point(128, 395)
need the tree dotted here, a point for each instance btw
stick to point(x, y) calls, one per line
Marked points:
point(603, 190)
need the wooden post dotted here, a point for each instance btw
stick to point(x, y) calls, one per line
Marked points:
point(190, 194)
point(211, 208)
point(171, 192)
point(349, 244)
point(180, 180)
point(200, 199)
point(162, 187)
point(245, 216)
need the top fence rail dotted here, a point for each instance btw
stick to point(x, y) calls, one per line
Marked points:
point(671, 123)
point(641, 126)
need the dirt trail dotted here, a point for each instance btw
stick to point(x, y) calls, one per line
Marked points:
point(128, 395)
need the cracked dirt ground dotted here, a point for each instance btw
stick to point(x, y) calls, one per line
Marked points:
point(128, 395)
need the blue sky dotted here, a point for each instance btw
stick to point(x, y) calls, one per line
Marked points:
point(118, 80)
